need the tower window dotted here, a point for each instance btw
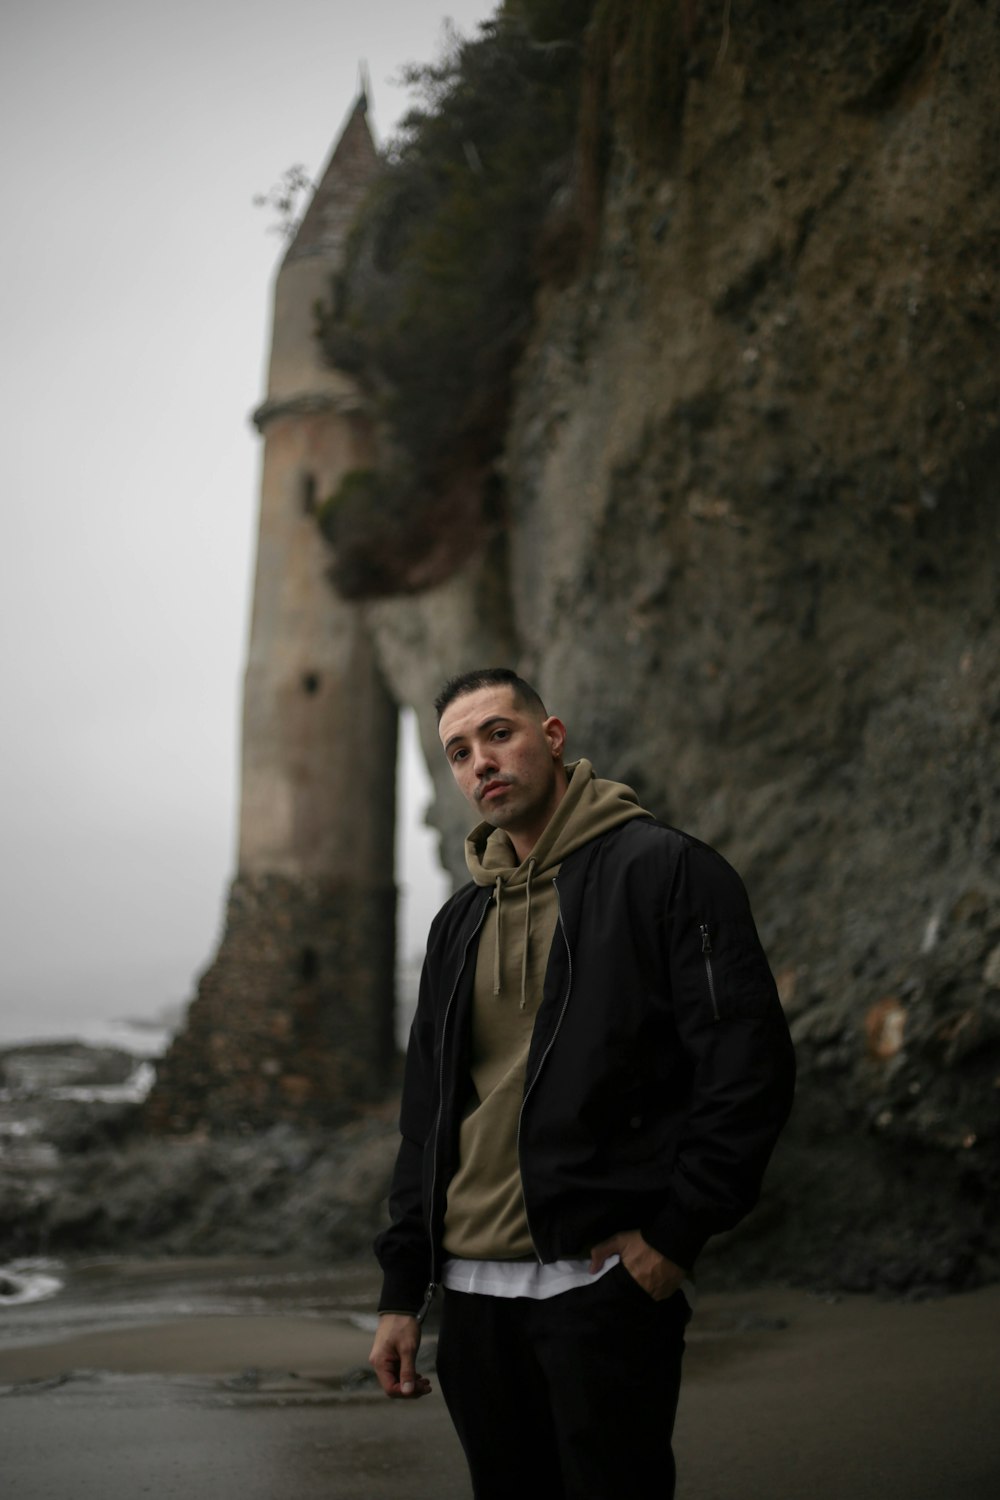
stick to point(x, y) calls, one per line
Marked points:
point(310, 682)
point(308, 963)
point(308, 493)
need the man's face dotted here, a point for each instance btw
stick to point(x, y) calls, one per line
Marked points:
point(506, 760)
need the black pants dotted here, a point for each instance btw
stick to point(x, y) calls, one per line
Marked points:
point(570, 1398)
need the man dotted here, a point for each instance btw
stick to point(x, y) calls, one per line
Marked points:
point(597, 1072)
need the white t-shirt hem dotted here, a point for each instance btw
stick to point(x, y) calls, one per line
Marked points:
point(528, 1278)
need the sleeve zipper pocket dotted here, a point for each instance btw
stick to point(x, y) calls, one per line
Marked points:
point(706, 952)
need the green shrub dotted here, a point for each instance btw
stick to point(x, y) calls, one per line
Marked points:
point(433, 306)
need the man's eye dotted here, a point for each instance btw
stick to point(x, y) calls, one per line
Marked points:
point(501, 734)
point(458, 755)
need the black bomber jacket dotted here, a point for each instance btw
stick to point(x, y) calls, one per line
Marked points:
point(660, 1071)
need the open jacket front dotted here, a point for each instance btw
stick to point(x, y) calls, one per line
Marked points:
point(660, 1070)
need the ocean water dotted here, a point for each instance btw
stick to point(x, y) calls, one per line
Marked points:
point(42, 1301)
point(23, 1147)
point(20, 1027)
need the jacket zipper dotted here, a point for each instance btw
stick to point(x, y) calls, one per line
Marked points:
point(432, 1284)
point(541, 1063)
point(425, 1306)
point(706, 951)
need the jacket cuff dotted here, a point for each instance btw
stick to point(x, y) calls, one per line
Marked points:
point(401, 1294)
point(675, 1235)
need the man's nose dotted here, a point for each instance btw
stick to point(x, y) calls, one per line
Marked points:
point(483, 760)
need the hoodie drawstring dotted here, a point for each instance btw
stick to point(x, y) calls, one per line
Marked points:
point(527, 933)
point(496, 945)
point(498, 934)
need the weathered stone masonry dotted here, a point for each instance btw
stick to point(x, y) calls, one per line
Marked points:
point(294, 1018)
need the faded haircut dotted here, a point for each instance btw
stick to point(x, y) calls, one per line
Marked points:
point(471, 682)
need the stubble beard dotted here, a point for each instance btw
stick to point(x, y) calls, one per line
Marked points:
point(497, 814)
point(512, 809)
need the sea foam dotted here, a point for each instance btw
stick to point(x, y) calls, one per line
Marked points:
point(31, 1280)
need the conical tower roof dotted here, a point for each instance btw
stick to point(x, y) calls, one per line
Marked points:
point(351, 167)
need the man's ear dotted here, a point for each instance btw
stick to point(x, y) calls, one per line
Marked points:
point(554, 731)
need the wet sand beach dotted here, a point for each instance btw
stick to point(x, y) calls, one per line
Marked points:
point(233, 1382)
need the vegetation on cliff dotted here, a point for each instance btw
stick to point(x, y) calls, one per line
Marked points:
point(435, 302)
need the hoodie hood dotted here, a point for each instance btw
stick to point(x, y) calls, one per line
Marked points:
point(591, 806)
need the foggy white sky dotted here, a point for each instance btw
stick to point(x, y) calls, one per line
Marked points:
point(135, 286)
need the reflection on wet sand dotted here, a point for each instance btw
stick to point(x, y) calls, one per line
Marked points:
point(133, 1377)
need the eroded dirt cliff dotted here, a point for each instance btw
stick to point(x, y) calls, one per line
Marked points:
point(749, 554)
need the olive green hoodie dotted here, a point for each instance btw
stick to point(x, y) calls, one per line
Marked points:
point(485, 1217)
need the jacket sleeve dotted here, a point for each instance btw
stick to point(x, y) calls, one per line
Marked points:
point(404, 1248)
point(734, 1035)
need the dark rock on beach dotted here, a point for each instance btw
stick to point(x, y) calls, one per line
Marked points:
point(80, 1176)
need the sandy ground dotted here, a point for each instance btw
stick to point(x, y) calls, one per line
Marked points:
point(787, 1396)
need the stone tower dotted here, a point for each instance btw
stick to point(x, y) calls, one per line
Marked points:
point(293, 1019)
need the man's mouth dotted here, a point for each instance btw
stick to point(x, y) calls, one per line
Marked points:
point(491, 789)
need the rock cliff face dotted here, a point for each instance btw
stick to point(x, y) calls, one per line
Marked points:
point(750, 556)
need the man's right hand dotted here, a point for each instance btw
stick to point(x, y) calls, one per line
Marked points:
point(394, 1355)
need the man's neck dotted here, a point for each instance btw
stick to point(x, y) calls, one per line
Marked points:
point(525, 842)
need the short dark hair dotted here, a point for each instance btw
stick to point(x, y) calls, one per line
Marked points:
point(471, 682)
